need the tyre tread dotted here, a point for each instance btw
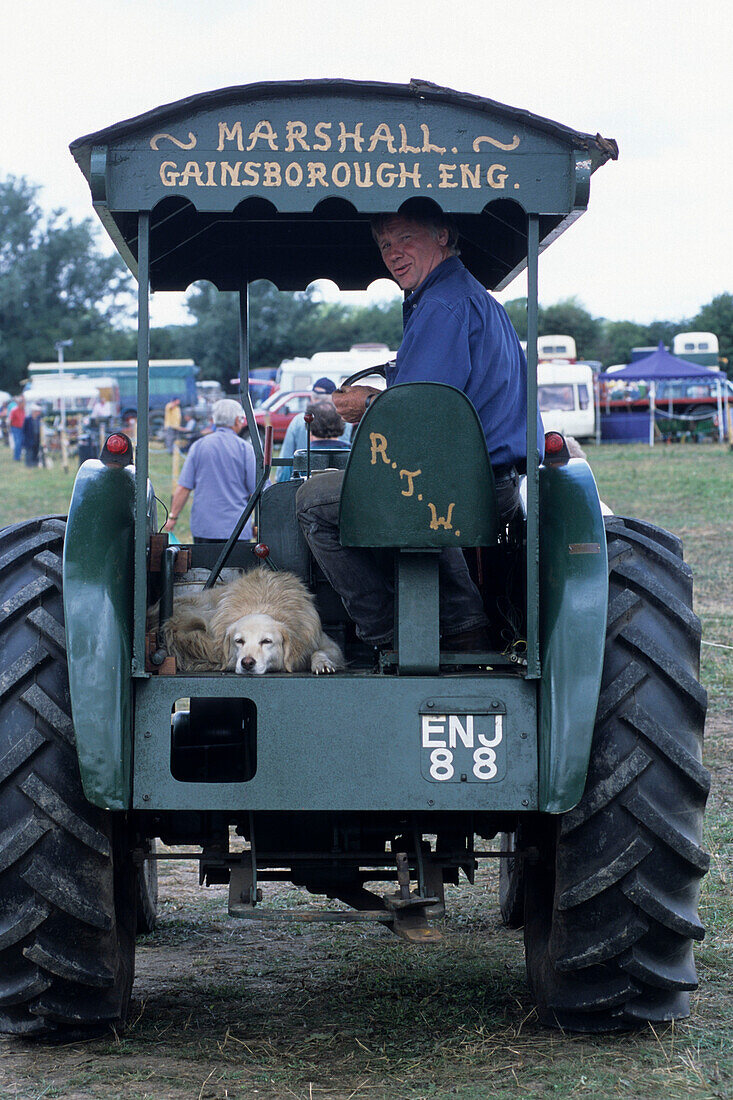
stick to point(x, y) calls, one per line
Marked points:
point(617, 888)
point(66, 876)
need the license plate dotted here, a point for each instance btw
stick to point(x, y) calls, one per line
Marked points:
point(462, 748)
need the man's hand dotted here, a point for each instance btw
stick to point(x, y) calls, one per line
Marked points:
point(350, 401)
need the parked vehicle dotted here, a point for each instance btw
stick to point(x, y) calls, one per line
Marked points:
point(639, 353)
point(207, 393)
point(565, 396)
point(556, 347)
point(73, 394)
point(300, 374)
point(259, 390)
point(697, 347)
point(572, 742)
point(280, 408)
point(169, 378)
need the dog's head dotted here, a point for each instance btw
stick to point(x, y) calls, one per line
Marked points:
point(258, 644)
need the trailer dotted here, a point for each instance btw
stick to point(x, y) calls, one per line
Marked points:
point(169, 378)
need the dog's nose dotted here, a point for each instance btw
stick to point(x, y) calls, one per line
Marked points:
point(249, 662)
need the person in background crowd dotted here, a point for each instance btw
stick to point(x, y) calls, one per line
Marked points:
point(220, 468)
point(189, 432)
point(296, 434)
point(327, 428)
point(16, 419)
point(172, 423)
point(32, 435)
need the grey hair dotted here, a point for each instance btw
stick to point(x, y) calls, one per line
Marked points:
point(226, 411)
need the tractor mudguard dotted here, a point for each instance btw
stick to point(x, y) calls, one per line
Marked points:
point(573, 605)
point(98, 589)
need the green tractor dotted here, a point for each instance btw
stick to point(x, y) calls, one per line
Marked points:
point(569, 752)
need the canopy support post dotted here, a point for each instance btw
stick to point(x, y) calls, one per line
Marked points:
point(244, 395)
point(141, 449)
point(533, 505)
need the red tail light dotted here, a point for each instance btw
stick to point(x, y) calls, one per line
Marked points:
point(556, 449)
point(117, 450)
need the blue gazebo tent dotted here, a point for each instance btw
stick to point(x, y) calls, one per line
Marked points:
point(662, 366)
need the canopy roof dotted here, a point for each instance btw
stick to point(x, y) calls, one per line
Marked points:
point(279, 180)
point(660, 364)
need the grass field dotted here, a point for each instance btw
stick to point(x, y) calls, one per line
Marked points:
point(223, 1010)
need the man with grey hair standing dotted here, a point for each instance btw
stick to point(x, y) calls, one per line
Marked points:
point(220, 468)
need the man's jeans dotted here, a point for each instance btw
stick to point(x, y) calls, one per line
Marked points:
point(17, 437)
point(366, 589)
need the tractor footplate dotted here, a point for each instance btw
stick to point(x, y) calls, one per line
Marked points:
point(411, 924)
point(404, 913)
point(410, 910)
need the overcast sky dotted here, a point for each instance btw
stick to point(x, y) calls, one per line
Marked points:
point(656, 75)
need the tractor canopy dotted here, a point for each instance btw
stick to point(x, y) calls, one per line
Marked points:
point(279, 180)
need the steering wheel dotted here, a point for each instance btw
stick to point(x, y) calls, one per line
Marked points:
point(380, 369)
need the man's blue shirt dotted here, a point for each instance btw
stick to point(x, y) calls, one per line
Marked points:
point(220, 468)
point(456, 333)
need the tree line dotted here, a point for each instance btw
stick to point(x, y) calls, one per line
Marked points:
point(55, 283)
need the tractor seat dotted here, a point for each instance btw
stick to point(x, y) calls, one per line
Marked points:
point(419, 480)
point(418, 475)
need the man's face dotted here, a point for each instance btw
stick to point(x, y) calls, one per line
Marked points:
point(410, 251)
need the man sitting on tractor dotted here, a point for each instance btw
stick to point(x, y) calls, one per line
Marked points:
point(454, 333)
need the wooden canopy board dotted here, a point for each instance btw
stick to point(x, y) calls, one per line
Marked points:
point(278, 181)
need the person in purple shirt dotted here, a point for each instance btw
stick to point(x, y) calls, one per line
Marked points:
point(220, 468)
point(455, 333)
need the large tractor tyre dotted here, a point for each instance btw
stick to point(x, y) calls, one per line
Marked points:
point(67, 880)
point(611, 902)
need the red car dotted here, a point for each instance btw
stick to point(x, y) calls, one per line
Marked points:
point(279, 410)
point(259, 390)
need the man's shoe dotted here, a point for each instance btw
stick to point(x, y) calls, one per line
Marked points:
point(475, 640)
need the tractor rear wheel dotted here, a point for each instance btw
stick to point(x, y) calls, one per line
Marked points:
point(67, 880)
point(611, 902)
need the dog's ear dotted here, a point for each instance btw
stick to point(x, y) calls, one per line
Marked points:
point(230, 649)
point(288, 654)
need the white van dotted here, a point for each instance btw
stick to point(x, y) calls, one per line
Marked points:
point(565, 397)
point(300, 374)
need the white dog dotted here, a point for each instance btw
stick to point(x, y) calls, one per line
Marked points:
point(262, 622)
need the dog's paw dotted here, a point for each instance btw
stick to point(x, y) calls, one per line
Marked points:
point(321, 663)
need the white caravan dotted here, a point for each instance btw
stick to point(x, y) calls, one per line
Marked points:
point(565, 396)
point(300, 374)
